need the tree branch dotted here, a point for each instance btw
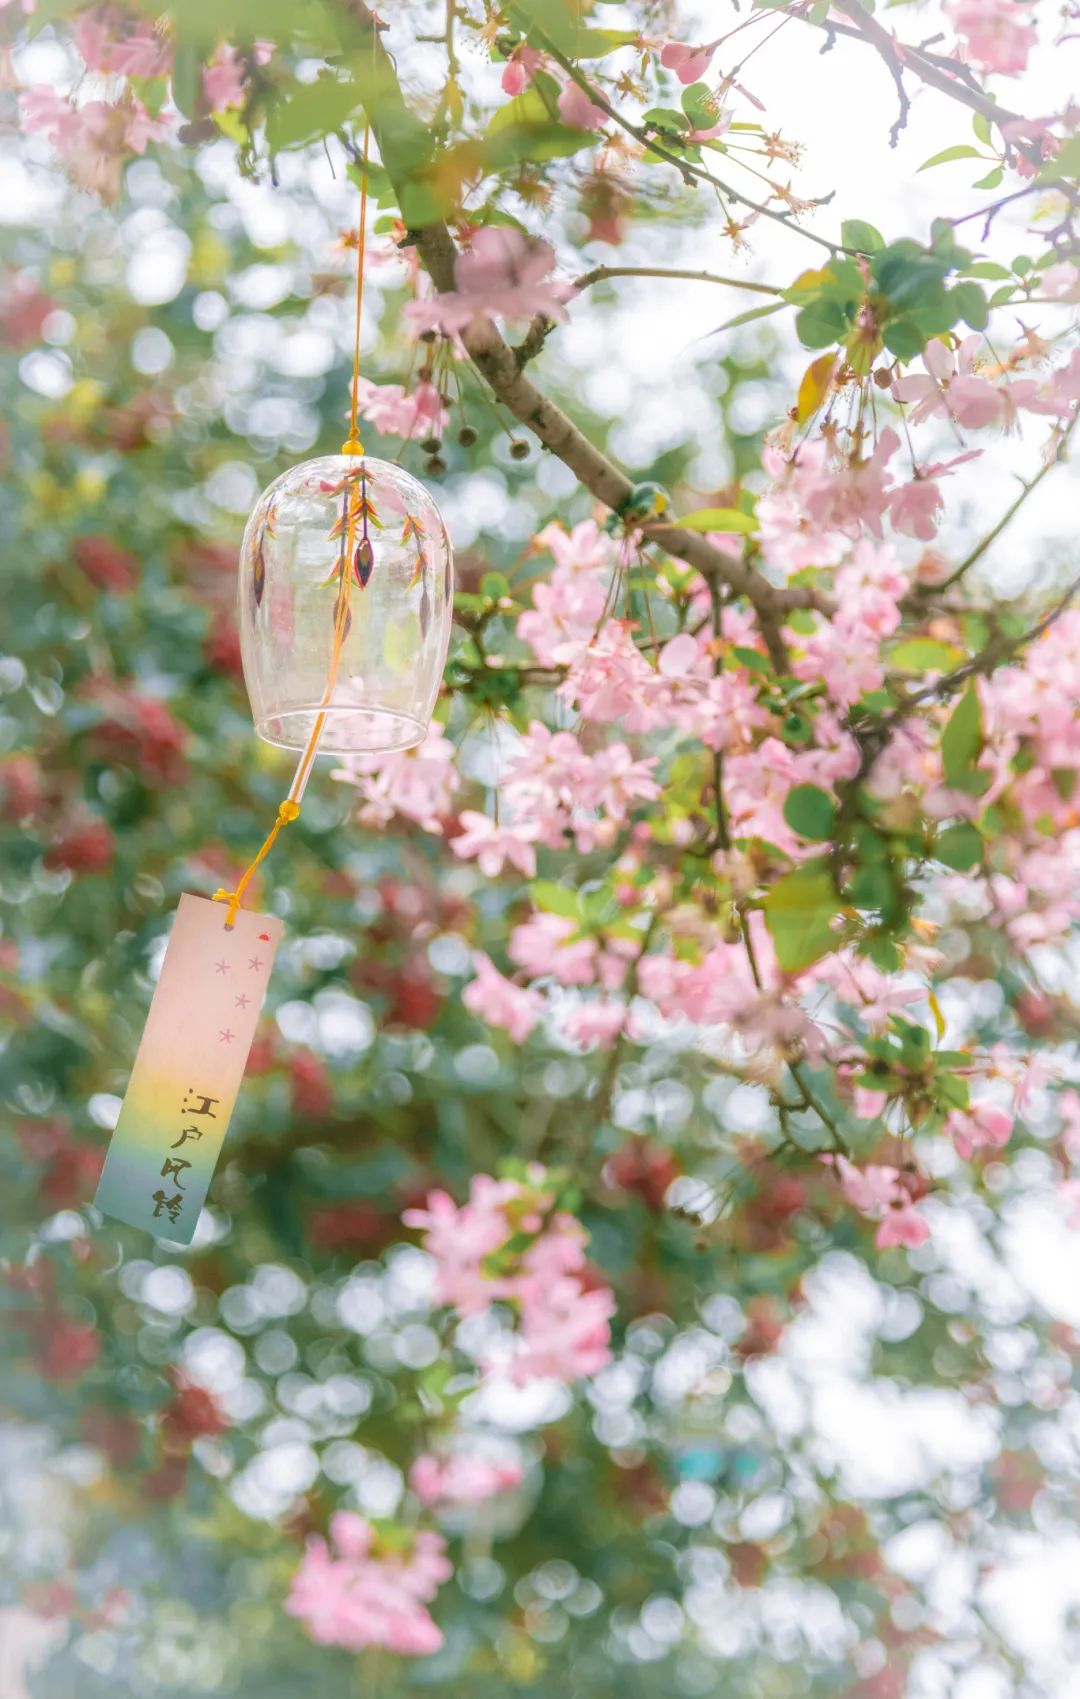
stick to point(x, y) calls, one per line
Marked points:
point(930, 69)
point(1026, 490)
point(601, 273)
point(400, 135)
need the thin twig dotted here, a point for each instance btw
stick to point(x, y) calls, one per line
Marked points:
point(601, 273)
point(1026, 490)
point(690, 173)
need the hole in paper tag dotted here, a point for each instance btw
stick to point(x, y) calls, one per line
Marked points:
point(188, 1068)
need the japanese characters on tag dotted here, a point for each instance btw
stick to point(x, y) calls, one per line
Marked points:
point(188, 1068)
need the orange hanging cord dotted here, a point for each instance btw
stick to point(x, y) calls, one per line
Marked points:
point(289, 809)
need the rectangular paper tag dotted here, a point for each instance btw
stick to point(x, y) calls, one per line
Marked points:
point(188, 1067)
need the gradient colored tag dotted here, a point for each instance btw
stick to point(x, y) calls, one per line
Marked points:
point(190, 1061)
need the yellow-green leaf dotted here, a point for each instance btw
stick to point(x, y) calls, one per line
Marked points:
point(813, 389)
point(719, 519)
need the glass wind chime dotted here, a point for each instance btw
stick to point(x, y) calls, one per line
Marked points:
point(345, 604)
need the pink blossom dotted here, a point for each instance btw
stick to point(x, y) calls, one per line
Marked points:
point(584, 548)
point(883, 1193)
point(565, 1332)
point(462, 1479)
point(502, 272)
point(225, 79)
point(916, 508)
point(566, 612)
point(1069, 1193)
point(577, 110)
point(358, 1591)
point(1068, 1104)
point(521, 66)
point(460, 1240)
point(869, 1105)
point(612, 681)
point(817, 507)
point(93, 140)
point(690, 64)
point(951, 389)
point(1062, 281)
point(845, 653)
point(598, 1021)
point(996, 35)
point(417, 784)
point(395, 412)
point(901, 1225)
point(500, 1002)
point(492, 846)
point(984, 1123)
point(113, 42)
point(542, 946)
point(551, 778)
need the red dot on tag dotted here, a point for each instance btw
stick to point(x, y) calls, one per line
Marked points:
point(264, 937)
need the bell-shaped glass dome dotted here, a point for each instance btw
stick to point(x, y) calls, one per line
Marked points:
point(346, 597)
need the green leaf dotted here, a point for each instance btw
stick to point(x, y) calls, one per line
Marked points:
point(798, 911)
point(699, 104)
point(822, 324)
point(751, 659)
point(524, 129)
point(971, 304)
point(811, 812)
point(595, 43)
point(925, 655)
point(718, 519)
point(311, 110)
point(992, 180)
point(960, 847)
point(962, 739)
point(855, 233)
point(187, 75)
point(989, 270)
point(752, 313)
point(558, 899)
point(903, 339)
point(963, 150)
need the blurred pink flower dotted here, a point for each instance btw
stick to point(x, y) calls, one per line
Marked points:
point(492, 846)
point(542, 946)
point(396, 412)
point(901, 1225)
point(461, 1479)
point(500, 1002)
point(94, 140)
point(565, 1332)
point(502, 272)
point(983, 1123)
point(690, 64)
point(520, 66)
point(577, 110)
point(116, 43)
point(226, 77)
point(996, 35)
point(418, 784)
point(360, 1591)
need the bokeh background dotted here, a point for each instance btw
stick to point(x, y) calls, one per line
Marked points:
point(810, 1469)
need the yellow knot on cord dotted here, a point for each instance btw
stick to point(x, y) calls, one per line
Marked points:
point(287, 812)
point(353, 446)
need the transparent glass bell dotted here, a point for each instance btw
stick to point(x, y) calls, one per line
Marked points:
point(346, 597)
